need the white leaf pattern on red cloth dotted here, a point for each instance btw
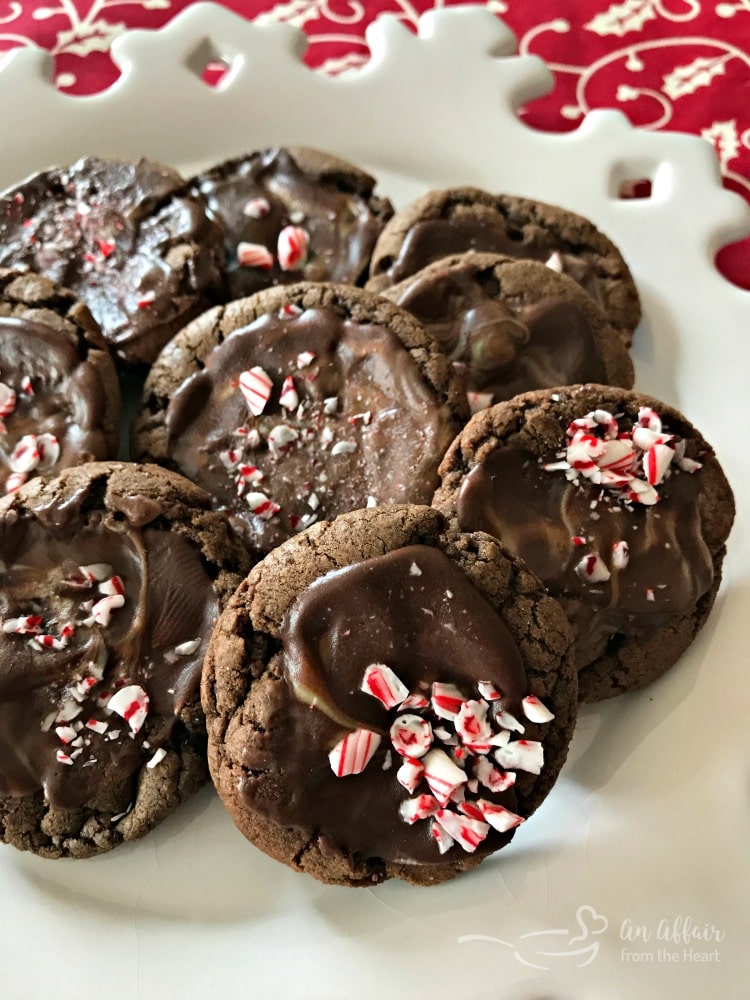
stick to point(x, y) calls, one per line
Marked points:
point(725, 139)
point(621, 18)
point(685, 80)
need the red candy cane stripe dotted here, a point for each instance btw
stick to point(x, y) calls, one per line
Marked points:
point(112, 586)
point(592, 569)
point(499, 818)
point(471, 722)
point(49, 450)
point(411, 736)
point(488, 691)
point(130, 703)
point(381, 682)
point(442, 775)
point(254, 255)
point(25, 625)
point(353, 753)
point(256, 386)
point(656, 461)
point(291, 248)
point(422, 807)
point(446, 700)
point(260, 505)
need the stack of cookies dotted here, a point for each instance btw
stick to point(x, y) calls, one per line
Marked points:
point(367, 614)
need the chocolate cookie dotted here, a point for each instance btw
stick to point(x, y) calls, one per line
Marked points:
point(301, 403)
point(113, 577)
point(293, 214)
point(514, 324)
point(128, 238)
point(386, 700)
point(59, 397)
point(617, 503)
point(441, 223)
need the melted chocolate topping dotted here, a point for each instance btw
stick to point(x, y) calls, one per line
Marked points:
point(432, 239)
point(367, 424)
point(125, 237)
point(537, 514)
point(507, 347)
point(169, 601)
point(64, 396)
point(253, 199)
point(434, 626)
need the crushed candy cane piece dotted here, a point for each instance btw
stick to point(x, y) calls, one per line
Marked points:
point(49, 642)
point(256, 208)
point(187, 648)
point(49, 451)
point(255, 386)
point(254, 255)
point(592, 569)
point(488, 691)
point(7, 400)
point(479, 401)
point(15, 481)
point(535, 710)
point(411, 735)
point(25, 625)
point(381, 682)
point(157, 758)
point(289, 398)
point(469, 833)
point(113, 585)
point(97, 726)
point(508, 721)
point(96, 572)
point(66, 734)
point(414, 701)
point(521, 755)
point(262, 506)
point(63, 758)
point(498, 817)
point(131, 704)
point(442, 774)
point(305, 358)
point(446, 700)
point(443, 839)
point(649, 418)
point(471, 722)
point(410, 773)
point(656, 461)
point(620, 555)
point(489, 776)
point(555, 262)
point(25, 455)
point(422, 807)
point(353, 753)
point(281, 438)
point(330, 405)
point(343, 448)
point(102, 610)
point(291, 248)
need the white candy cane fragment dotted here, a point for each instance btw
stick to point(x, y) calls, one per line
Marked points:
point(443, 839)
point(49, 642)
point(620, 555)
point(411, 736)
point(262, 506)
point(381, 682)
point(488, 691)
point(113, 585)
point(414, 701)
point(254, 255)
point(470, 809)
point(689, 465)
point(97, 726)
point(592, 569)
point(15, 481)
point(521, 755)
point(131, 704)
point(281, 438)
point(555, 262)
point(102, 610)
point(442, 775)
point(469, 833)
point(25, 455)
point(618, 456)
point(96, 572)
point(63, 758)
point(25, 625)
point(535, 710)
point(7, 400)
point(500, 819)
point(422, 807)
point(66, 734)
point(250, 474)
point(330, 405)
point(290, 311)
point(644, 438)
point(353, 753)
point(640, 492)
point(649, 418)
point(410, 773)
point(292, 247)
point(479, 401)
point(289, 398)
point(187, 648)
point(656, 461)
point(305, 359)
point(508, 721)
point(157, 758)
point(446, 700)
point(49, 451)
point(344, 448)
point(489, 776)
point(471, 722)
point(256, 386)
point(147, 299)
point(256, 208)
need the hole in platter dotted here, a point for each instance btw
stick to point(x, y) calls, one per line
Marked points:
point(733, 262)
point(215, 72)
point(634, 189)
point(214, 67)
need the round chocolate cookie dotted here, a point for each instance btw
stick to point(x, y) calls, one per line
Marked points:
point(441, 223)
point(299, 404)
point(59, 396)
point(514, 324)
point(617, 503)
point(128, 238)
point(113, 576)
point(293, 214)
point(386, 700)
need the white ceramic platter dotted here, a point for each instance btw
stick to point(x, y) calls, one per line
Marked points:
point(633, 879)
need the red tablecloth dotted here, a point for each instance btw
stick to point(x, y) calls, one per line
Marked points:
point(674, 64)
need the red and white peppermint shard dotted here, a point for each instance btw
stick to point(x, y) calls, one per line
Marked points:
point(415, 701)
point(96, 571)
point(499, 819)
point(256, 208)
point(25, 455)
point(352, 754)
point(442, 775)
point(112, 586)
point(292, 247)
point(7, 400)
point(446, 700)
point(620, 555)
point(49, 642)
point(521, 755)
point(490, 777)
point(281, 438)
point(381, 682)
point(592, 569)
point(25, 625)
point(656, 461)
point(469, 833)
point(102, 610)
point(422, 807)
point(640, 492)
point(15, 481)
point(254, 255)
point(256, 386)
point(471, 722)
point(554, 262)
point(535, 710)
point(49, 450)
point(488, 691)
point(411, 736)
point(410, 773)
point(289, 398)
point(649, 418)
point(305, 358)
point(131, 704)
point(479, 401)
point(443, 839)
point(262, 506)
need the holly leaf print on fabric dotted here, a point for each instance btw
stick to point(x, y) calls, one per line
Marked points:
point(725, 139)
point(621, 18)
point(296, 12)
point(85, 38)
point(684, 80)
point(340, 64)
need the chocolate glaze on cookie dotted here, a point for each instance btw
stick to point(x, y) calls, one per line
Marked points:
point(128, 238)
point(381, 649)
point(324, 207)
point(629, 541)
point(359, 408)
point(444, 223)
point(59, 400)
point(106, 608)
point(515, 325)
